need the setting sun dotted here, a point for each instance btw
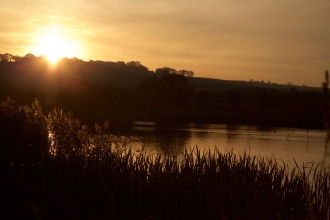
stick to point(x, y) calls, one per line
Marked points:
point(54, 43)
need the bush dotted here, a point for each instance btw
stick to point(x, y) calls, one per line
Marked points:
point(23, 133)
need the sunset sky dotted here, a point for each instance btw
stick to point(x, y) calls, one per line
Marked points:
point(272, 40)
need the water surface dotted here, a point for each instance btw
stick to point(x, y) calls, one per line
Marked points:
point(283, 143)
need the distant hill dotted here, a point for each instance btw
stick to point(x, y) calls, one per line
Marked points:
point(209, 84)
point(34, 72)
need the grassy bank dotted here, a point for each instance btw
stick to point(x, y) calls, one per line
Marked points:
point(53, 167)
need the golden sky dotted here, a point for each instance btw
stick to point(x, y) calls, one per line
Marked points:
point(272, 40)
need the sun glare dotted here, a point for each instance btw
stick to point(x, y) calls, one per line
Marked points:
point(54, 44)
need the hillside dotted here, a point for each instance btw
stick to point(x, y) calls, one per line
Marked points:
point(35, 73)
point(208, 84)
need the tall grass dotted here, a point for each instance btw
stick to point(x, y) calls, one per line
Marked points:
point(89, 174)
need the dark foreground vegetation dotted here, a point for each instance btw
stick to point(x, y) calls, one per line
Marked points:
point(53, 167)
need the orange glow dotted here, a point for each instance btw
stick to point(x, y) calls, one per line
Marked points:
point(54, 43)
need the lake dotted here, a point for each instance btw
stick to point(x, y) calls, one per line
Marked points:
point(284, 143)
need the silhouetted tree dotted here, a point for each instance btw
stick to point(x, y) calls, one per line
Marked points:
point(165, 70)
point(188, 73)
point(120, 64)
point(75, 59)
point(4, 60)
point(29, 56)
point(133, 63)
